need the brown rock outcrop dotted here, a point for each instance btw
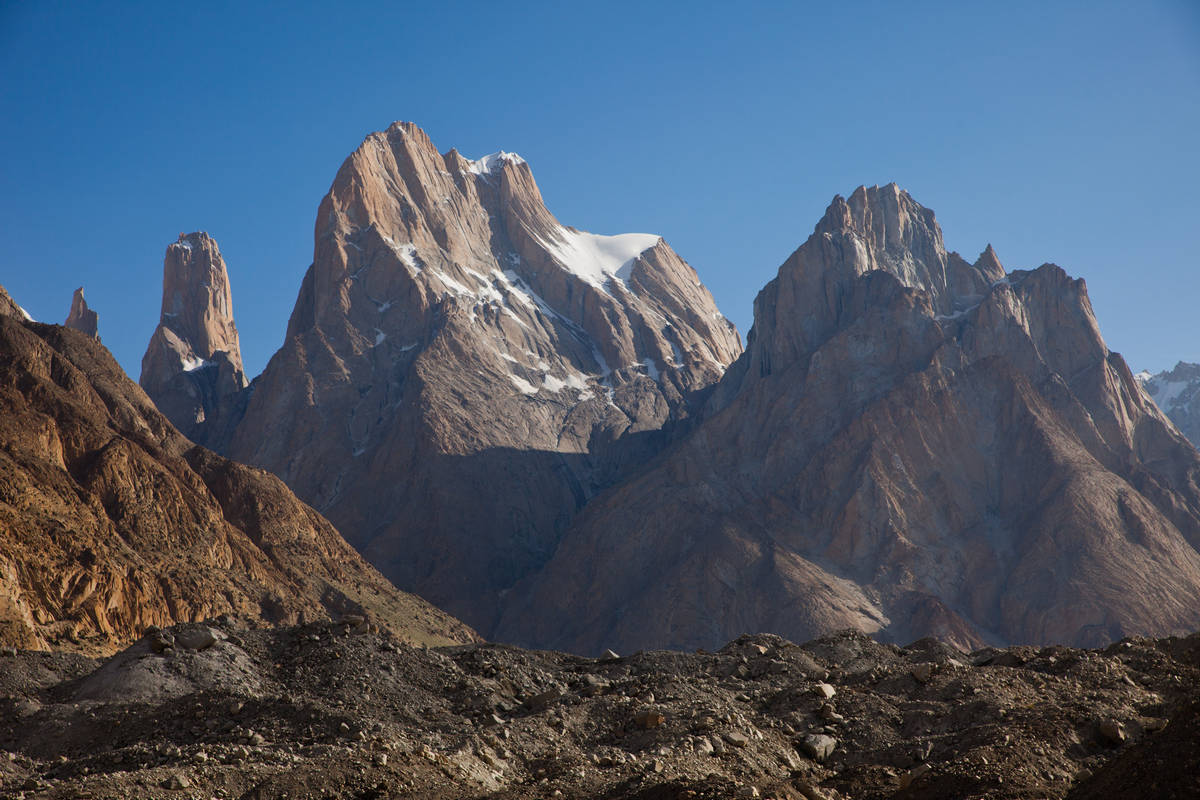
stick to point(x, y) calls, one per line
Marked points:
point(9, 307)
point(910, 445)
point(82, 318)
point(192, 368)
point(462, 372)
point(113, 521)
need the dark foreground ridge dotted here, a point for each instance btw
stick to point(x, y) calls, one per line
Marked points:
point(338, 710)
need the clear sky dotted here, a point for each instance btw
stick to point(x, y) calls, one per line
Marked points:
point(1065, 132)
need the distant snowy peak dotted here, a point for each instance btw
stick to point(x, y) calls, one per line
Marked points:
point(595, 258)
point(1172, 389)
point(1177, 393)
point(489, 164)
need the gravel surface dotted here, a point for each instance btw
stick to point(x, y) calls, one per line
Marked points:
point(338, 710)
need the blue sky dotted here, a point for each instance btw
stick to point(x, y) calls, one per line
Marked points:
point(1064, 132)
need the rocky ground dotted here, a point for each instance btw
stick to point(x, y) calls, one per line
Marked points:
point(340, 710)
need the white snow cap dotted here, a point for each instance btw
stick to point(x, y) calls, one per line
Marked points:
point(597, 258)
point(26, 314)
point(490, 163)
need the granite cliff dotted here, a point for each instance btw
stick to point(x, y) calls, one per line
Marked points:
point(911, 445)
point(82, 318)
point(192, 368)
point(462, 372)
point(555, 435)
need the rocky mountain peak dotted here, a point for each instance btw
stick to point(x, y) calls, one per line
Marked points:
point(194, 359)
point(884, 228)
point(82, 318)
point(989, 262)
point(197, 303)
point(878, 233)
point(911, 445)
point(406, 235)
point(450, 330)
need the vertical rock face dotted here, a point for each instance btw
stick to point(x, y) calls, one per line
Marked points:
point(111, 521)
point(82, 318)
point(192, 368)
point(911, 445)
point(462, 372)
point(1177, 393)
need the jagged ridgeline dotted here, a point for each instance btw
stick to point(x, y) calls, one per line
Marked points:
point(555, 435)
point(911, 445)
point(462, 373)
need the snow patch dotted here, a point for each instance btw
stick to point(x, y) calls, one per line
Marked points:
point(452, 284)
point(407, 253)
point(651, 369)
point(523, 386)
point(1167, 394)
point(573, 381)
point(380, 336)
point(194, 363)
point(676, 353)
point(25, 314)
point(595, 258)
point(490, 163)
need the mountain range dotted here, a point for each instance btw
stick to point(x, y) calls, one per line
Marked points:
point(556, 436)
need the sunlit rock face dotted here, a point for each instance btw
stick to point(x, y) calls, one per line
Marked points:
point(112, 521)
point(82, 318)
point(462, 373)
point(192, 368)
point(911, 445)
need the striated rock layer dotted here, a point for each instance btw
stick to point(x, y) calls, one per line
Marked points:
point(911, 445)
point(192, 368)
point(112, 521)
point(462, 372)
point(82, 318)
